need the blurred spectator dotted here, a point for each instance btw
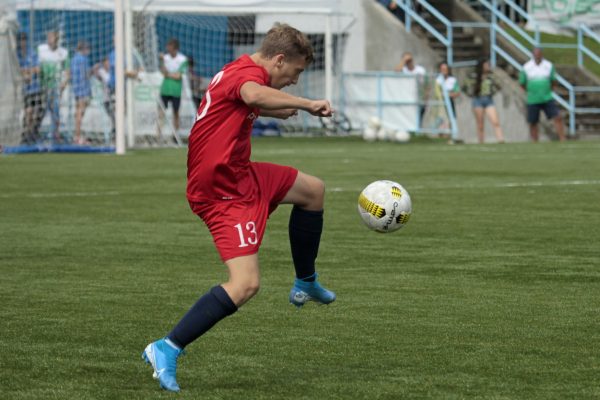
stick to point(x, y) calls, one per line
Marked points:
point(538, 78)
point(480, 85)
point(102, 72)
point(407, 66)
point(449, 83)
point(81, 73)
point(32, 91)
point(112, 80)
point(396, 9)
point(54, 73)
point(173, 65)
point(195, 83)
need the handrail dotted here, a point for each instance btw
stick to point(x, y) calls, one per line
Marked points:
point(508, 21)
point(582, 48)
point(409, 13)
point(569, 105)
point(534, 41)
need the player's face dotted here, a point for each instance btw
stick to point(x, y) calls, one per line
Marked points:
point(444, 69)
point(52, 39)
point(537, 55)
point(286, 71)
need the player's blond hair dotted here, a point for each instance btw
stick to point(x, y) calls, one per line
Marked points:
point(286, 40)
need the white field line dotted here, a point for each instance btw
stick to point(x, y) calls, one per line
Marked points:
point(59, 194)
point(498, 185)
point(333, 189)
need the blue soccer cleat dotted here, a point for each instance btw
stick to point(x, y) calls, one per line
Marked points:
point(310, 291)
point(163, 358)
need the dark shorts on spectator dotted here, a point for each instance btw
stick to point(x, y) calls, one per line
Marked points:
point(175, 101)
point(483, 102)
point(549, 108)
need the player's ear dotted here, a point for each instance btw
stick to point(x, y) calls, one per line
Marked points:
point(279, 59)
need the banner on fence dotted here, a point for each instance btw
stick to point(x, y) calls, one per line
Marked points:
point(563, 16)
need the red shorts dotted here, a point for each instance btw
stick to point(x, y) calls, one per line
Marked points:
point(238, 226)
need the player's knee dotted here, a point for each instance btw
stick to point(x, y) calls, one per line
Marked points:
point(317, 194)
point(251, 289)
point(318, 189)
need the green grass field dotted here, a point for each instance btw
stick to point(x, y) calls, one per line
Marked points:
point(491, 291)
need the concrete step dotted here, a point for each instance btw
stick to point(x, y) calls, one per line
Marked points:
point(458, 46)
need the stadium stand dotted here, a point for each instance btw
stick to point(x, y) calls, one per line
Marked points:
point(462, 31)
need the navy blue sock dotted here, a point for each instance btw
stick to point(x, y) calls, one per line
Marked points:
point(305, 235)
point(208, 310)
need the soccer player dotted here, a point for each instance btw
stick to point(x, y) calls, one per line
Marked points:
point(538, 78)
point(234, 196)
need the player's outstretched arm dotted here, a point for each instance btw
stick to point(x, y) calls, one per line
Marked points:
point(266, 98)
point(281, 114)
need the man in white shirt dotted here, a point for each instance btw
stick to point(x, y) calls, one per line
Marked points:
point(173, 65)
point(54, 72)
point(407, 66)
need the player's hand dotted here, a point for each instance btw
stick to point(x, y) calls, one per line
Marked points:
point(320, 108)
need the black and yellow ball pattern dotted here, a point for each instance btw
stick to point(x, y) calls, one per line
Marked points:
point(370, 207)
point(403, 218)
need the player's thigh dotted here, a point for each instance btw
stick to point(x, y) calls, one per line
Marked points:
point(533, 114)
point(237, 228)
point(492, 114)
point(176, 102)
point(478, 111)
point(244, 270)
point(551, 110)
point(307, 191)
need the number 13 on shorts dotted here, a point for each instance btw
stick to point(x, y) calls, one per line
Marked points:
point(248, 235)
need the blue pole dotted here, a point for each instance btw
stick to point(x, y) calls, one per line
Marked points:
point(579, 46)
point(379, 97)
point(450, 54)
point(571, 111)
point(407, 21)
point(493, 36)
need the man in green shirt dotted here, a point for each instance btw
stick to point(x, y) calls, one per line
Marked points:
point(173, 65)
point(538, 78)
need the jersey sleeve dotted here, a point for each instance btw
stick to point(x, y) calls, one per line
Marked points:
point(251, 74)
point(552, 73)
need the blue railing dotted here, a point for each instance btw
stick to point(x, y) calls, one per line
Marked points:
point(410, 14)
point(582, 49)
point(535, 41)
point(496, 50)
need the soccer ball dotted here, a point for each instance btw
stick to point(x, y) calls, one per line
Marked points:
point(384, 206)
point(401, 136)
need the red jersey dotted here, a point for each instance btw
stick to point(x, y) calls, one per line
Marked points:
point(219, 143)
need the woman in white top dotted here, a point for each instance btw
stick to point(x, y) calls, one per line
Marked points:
point(449, 83)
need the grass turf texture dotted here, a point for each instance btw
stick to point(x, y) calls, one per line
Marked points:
point(491, 291)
